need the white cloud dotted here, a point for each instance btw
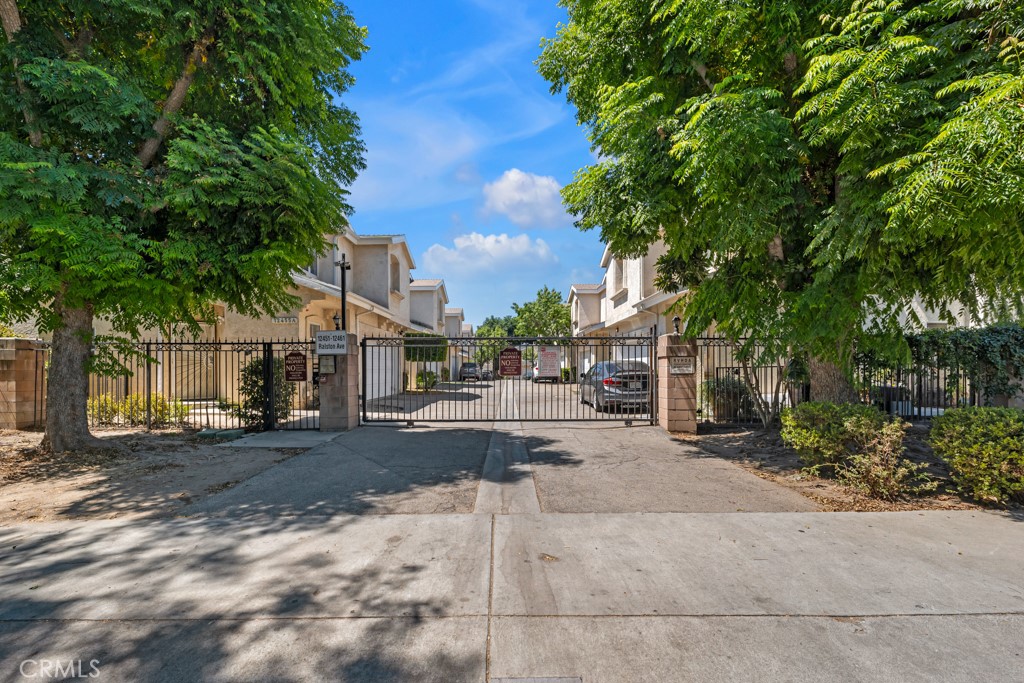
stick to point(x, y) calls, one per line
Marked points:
point(527, 200)
point(475, 253)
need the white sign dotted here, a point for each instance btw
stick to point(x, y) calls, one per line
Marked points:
point(547, 362)
point(332, 343)
point(682, 365)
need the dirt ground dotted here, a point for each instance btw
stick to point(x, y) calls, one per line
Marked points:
point(764, 454)
point(155, 474)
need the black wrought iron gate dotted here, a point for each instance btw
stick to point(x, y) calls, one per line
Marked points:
point(484, 379)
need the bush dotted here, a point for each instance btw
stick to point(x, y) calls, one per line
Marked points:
point(250, 388)
point(569, 375)
point(102, 409)
point(446, 374)
point(819, 432)
point(985, 451)
point(162, 411)
point(426, 379)
point(858, 445)
point(727, 397)
point(879, 469)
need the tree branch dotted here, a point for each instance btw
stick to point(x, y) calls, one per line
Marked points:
point(174, 101)
point(702, 71)
point(11, 20)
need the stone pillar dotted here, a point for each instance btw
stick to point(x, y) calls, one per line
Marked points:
point(677, 384)
point(22, 384)
point(339, 392)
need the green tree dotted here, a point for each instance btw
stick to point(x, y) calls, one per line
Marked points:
point(157, 156)
point(794, 157)
point(493, 335)
point(546, 316)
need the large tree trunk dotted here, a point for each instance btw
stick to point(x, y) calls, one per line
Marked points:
point(830, 383)
point(67, 386)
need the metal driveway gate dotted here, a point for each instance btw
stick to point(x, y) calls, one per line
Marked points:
point(425, 378)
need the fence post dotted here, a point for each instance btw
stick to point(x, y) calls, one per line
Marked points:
point(339, 391)
point(362, 356)
point(268, 387)
point(149, 390)
point(677, 384)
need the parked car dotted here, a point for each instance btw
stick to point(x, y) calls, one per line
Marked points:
point(537, 378)
point(487, 375)
point(469, 371)
point(617, 384)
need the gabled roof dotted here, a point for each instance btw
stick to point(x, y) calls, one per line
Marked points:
point(577, 290)
point(432, 285)
point(367, 240)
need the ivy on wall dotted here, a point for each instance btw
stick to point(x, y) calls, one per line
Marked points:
point(992, 358)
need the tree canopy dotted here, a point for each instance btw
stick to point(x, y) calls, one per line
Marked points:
point(157, 156)
point(546, 316)
point(811, 166)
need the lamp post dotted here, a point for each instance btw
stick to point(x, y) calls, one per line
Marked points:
point(345, 266)
point(337, 322)
point(675, 323)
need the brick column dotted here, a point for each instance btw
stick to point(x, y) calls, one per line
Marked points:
point(339, 393)
point(677, 393)
point(22, 402)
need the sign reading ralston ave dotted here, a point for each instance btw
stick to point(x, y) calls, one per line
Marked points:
point(332, 343)
point(295, 367)
point(510, 362)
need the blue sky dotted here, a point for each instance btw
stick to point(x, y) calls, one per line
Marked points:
point(467, 149)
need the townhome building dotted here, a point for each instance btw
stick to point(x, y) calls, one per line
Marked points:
point(428, 301)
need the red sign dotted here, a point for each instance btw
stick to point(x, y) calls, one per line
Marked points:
point(510, 362)
point(295, 367)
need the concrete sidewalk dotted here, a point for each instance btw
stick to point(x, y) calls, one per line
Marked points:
point(710, 597)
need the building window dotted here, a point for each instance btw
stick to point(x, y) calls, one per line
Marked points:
point(313, 267)
point(313, 329)
point(618, 281)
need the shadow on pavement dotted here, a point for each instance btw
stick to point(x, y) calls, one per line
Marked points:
point(183, 601)
point(374, 470)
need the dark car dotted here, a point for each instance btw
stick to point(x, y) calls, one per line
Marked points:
point(617, 384)
point(470, 371)
point(487, 375)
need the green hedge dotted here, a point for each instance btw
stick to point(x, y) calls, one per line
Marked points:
point(423, 347)
point(985, 451)
point(106, 410)
point(823, 434)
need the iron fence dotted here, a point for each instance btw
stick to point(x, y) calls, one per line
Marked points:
point(474, 379)
point(258, 385)
point(728, 388)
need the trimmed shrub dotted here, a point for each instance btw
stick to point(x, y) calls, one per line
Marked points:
point(446, 374)
point(819, 433)
point(102, 409)
point(858, 445)
point(250, 389)
point(985, 451)
point(426, 379)
point(569, 375)
point(163, 411)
